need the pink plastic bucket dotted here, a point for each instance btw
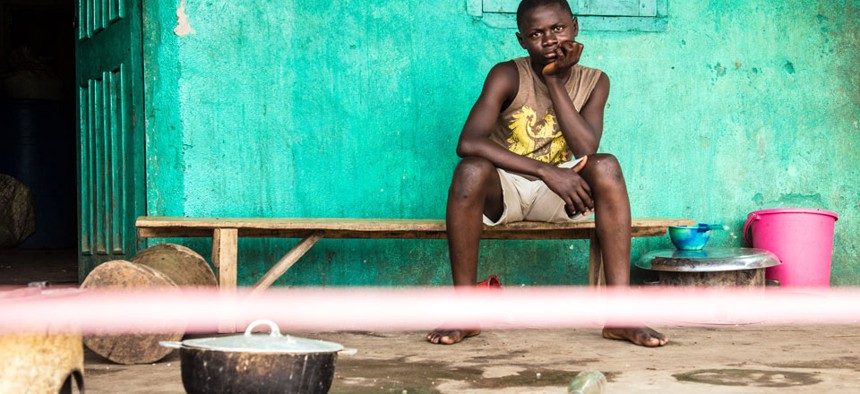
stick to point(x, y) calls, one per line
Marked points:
point(801, 238)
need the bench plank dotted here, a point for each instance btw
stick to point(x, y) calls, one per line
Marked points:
point(166, 227)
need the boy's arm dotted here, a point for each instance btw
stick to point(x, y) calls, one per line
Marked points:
point(500, 88)
point(581, 129)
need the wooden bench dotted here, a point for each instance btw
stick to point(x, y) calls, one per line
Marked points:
point(225, 233)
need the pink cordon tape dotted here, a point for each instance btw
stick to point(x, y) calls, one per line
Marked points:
point(362, 308)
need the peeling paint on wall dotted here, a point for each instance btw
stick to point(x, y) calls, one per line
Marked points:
point(183, 28)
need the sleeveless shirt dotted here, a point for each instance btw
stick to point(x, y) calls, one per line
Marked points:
point(528, 127)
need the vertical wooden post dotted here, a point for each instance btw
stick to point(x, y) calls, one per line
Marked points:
point(596, 276)
point(225, 246)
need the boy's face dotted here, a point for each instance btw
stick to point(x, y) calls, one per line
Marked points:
point(543, 28)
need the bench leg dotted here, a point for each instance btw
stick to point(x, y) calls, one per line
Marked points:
point(596, 277)
point(285, 263)
point(225, 245)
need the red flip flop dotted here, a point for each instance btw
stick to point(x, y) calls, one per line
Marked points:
point(492, 282)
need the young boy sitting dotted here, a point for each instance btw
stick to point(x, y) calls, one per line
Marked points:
point(529, 153)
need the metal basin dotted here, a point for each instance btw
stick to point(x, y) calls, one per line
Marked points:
point(715, 267)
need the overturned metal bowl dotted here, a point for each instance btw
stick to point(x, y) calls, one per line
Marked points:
point(743, 267)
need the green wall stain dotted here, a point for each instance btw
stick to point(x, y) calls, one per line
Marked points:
point(719, 70)
point(758, 199)
point(353, 109)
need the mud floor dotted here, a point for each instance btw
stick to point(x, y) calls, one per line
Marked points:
point(708, 359)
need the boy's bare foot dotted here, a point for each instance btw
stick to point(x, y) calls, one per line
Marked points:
point(642, 336)
point(449, 337)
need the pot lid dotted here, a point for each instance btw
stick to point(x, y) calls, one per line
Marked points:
point(708, 260)
point(273, 342)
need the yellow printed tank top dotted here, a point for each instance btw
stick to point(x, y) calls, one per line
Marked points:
point(528, 126)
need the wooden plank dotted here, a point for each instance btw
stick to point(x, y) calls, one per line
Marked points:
point(509, 234)
point(225, 246)
point(149, 227)
point(518, 234)
point(173, 232)
point(284, 264)
point(361, 223)
point(293, 223)
point(596, 275)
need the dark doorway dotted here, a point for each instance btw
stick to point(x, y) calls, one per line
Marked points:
point(37, 124)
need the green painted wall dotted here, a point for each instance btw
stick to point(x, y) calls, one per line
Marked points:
point(353, 109)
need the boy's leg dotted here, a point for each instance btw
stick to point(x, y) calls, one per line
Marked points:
point(612, 219)
point(475, 191)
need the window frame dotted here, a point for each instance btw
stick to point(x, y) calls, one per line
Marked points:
point(502, 14)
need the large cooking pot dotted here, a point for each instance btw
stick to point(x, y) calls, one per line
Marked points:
point(257, 363)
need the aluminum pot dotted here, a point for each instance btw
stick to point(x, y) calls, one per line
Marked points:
point(257, 363)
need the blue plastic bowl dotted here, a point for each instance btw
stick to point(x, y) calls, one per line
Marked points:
point(688, 237)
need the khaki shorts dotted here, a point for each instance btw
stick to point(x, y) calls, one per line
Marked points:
point(527, 200)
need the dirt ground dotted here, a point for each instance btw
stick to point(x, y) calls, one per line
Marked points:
point(710, 359)
point(752, 358)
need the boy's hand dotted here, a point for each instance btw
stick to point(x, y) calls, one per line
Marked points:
point(567, 184)
point(567, 54)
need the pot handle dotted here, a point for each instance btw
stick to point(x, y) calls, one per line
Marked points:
point(171, 344)
point(752, 217)
point(275, 331)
